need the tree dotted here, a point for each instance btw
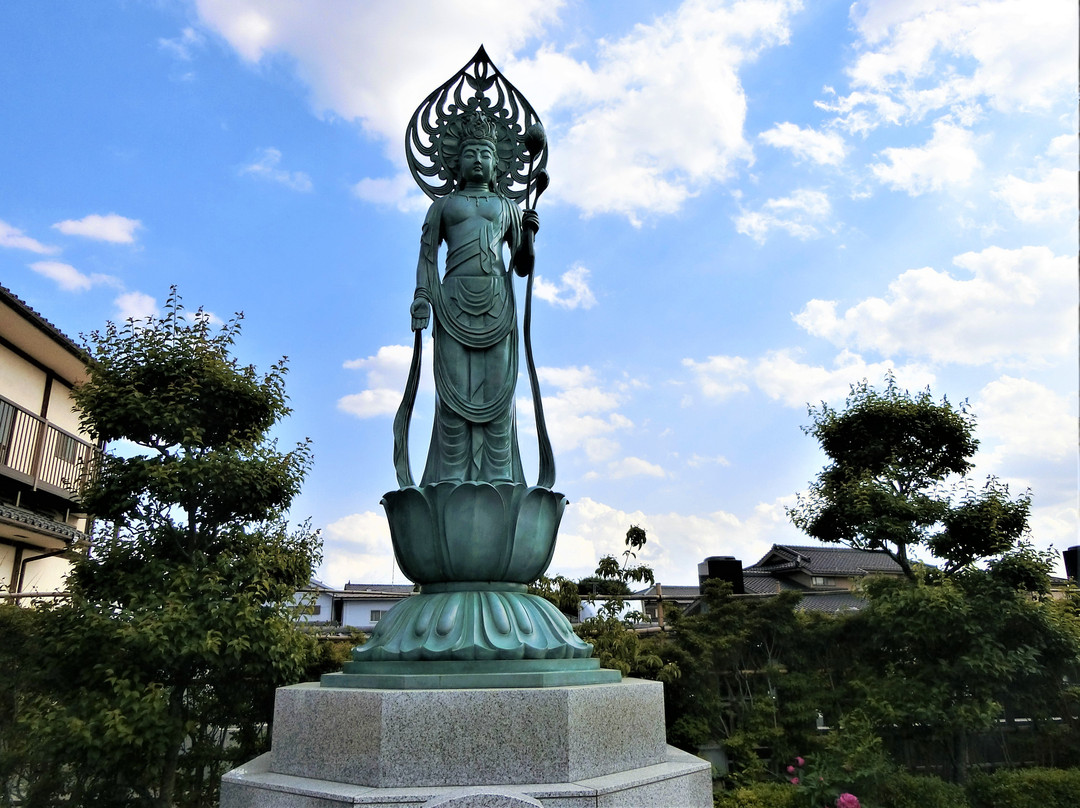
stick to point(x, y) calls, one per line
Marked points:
point(892, 456)
point(161, 668)
point(944, 658)
point(615, 641)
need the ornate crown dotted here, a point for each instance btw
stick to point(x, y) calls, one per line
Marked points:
point(477, 103)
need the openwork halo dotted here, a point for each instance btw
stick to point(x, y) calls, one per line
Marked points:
point(449, 116)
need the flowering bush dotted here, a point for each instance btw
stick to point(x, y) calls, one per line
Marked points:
point(815, 786)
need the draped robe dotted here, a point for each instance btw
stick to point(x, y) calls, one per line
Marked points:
point(474, 435)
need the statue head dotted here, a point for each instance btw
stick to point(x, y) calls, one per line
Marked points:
point(476, 158)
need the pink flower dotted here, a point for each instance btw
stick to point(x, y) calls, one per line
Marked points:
point(800, 762)
point(794, 781)
point(846, 800)
point(791, 770)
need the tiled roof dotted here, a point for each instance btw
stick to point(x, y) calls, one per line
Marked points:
point(669, 593)
point(831, 602)
point(380, 589)
point(12, 300)
point(817, 560)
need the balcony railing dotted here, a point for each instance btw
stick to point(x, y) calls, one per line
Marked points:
point(41, 454)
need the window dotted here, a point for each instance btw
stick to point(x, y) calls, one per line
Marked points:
point(377, 615)
point(818, 580)
point(67, 448)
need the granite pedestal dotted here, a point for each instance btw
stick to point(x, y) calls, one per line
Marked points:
point(582, 745)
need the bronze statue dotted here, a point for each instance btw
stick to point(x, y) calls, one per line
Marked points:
point(474, 436)
point(474, 533)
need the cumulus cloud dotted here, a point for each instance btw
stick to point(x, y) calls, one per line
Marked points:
point(135, 306)
point(824, 148)
point(629, 467)
point(1050, 192)
point(181, 47)
point(800, 215)
point(917, 58)
point(947, 159)
point(70, 279)
point(654, 118)
point(387, 372)
point(1025, 419)
point(266, 167)
point(783, 377)
point(399, 191)
point(357, 547)
point(571, 292)
point(14, 238)
point(1014, 306)
point(580, 410)
point(676, 542)
point(111, 227)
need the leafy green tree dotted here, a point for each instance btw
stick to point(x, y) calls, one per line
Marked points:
point(896, 481)
point(160, 670)
point(751, 679)
point(560, 591)
point(942, 659)
point(615, 640)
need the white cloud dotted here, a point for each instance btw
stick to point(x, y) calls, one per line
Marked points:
point(630, 467)
point(181, 47)
point(111, 227)
point(70, 279)
point(947, 159)
point(799, 215)
point(135, 306)
point(572, 291)
point(676, 542)
point(1049, 198)
point(919, 57)
point(387, 372)
point(14, 238)
point(720, 377)
point(781, 376)
point(582, 411)
point(1014, 306)
point(266, 167)
point(824, 148)
point(399, 191)
point(657, 116)
point(697, 461)
point(1024, 419)
point(357, 548)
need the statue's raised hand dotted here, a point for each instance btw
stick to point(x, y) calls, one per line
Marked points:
point(421, 312)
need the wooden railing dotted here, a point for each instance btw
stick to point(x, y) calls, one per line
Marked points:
point(41, 454)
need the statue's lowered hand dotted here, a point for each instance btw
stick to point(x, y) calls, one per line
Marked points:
point(530, 220)
point(421, 312)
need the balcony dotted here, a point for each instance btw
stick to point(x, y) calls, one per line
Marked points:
point(41, 455)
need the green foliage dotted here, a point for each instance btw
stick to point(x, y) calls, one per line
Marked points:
point(759, 795)
point(891, 456)
point(903, 790)
point(941, 658)
point(615, 641)
point(747, 679)
point(1026, 788)
point(560, 591)
point(158, 673)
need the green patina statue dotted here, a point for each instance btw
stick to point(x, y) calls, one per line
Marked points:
point(474, 533)
point(476, 342)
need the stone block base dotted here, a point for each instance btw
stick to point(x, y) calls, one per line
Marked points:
point(583, 745)
point(680, 781)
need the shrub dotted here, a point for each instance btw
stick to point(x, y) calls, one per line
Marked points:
point(903, 790)
point(759, 795)
point(1024, 788)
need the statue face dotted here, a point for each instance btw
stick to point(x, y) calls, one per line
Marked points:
point(477, 162)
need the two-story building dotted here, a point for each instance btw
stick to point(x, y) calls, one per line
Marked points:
point(43, 453)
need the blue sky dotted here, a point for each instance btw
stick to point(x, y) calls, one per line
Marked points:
point(753, 205)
